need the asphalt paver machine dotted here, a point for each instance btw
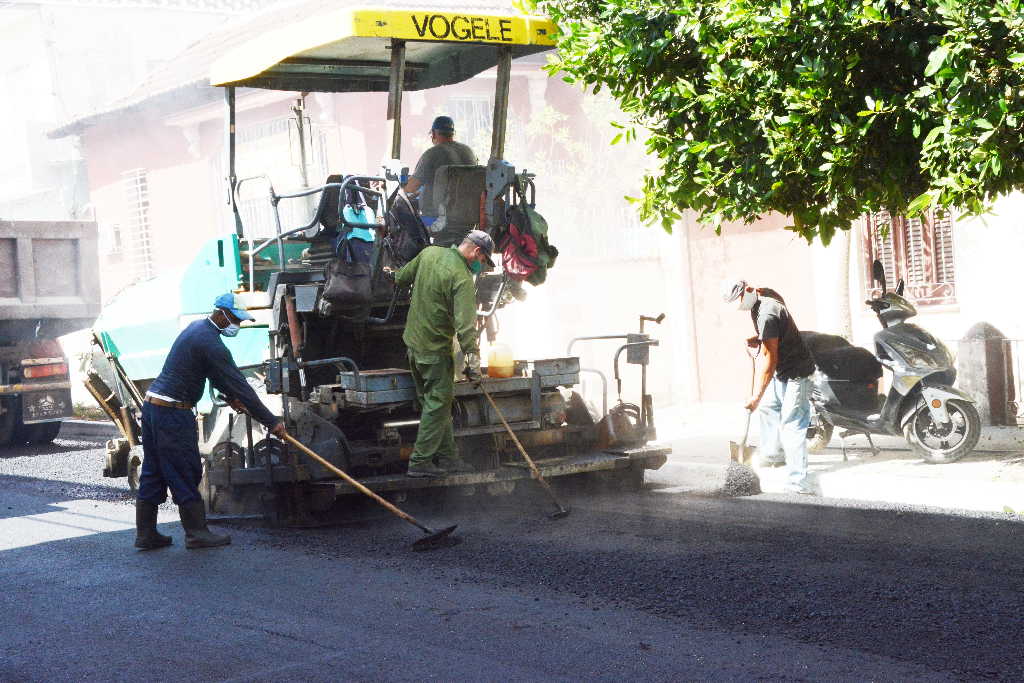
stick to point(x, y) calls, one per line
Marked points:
point(341, 376)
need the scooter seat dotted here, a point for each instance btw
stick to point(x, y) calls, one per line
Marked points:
point(839, 359)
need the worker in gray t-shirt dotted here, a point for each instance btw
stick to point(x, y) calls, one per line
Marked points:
point(444, 152)
point(782, 396)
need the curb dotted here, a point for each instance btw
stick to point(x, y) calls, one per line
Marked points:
point(993, 440)
point(88, 429)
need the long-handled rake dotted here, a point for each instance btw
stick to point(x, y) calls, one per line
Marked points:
point(433, 539)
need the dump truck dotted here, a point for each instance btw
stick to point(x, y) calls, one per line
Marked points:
point(49, 286)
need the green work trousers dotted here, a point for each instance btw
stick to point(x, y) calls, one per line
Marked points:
point(434, 377)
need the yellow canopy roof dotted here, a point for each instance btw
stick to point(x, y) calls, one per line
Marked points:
point(348, 48)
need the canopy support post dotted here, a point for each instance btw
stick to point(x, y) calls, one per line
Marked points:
point(396, 83)
point(501, 103)
point(229, 145)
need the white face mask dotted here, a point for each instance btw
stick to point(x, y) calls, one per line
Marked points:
point(230, 331)
point(747, 299)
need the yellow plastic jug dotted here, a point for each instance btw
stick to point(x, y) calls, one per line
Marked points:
point(499, 361)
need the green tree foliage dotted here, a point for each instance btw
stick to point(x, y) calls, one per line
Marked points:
point(818, 109)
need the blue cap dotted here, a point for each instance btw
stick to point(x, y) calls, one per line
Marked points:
point(227, 301)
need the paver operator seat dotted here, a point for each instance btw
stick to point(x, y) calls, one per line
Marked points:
point(458, 192)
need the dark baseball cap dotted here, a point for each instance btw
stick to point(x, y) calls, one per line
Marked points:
point(443, 124)
point(484, 241)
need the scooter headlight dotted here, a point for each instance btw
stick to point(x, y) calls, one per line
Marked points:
point(918, 359)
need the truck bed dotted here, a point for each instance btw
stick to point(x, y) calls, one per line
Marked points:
point(48, 273)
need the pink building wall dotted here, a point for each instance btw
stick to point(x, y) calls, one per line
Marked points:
point(763, 254)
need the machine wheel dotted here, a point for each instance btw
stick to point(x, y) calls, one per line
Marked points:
point(632, 479)
point(819, 434)
point(265, 448)
point(134, 472)
point(8, 421)
point(944, 443)
point(627, 480)
point(228, 450)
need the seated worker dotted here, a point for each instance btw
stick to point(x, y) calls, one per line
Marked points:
point(445, 152)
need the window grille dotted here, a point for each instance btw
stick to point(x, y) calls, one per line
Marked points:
point(472, 115)
point(919, 250)
point(138, 247)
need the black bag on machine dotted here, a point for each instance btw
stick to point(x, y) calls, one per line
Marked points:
point(348, 287)
point(408, 236)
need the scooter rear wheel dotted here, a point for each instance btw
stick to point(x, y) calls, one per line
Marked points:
point(939, 444)
point(819, 434)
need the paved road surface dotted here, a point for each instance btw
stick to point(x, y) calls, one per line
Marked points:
point(655, 585)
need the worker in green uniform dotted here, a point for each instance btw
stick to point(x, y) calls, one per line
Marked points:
point(443, 306)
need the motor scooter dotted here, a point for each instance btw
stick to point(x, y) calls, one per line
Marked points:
point(940, 423)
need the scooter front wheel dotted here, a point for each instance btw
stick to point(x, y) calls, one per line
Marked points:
point(938, 443)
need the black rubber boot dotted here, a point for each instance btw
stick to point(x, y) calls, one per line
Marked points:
point(426, 470)
point(455, 465)
point(197, 535)
point(146, 535)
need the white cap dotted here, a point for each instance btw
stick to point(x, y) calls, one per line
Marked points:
point(732, 289)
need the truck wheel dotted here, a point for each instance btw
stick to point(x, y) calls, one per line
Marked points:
point(944, 443)
point(8, 421)
point(44, 432)
point(20, 434)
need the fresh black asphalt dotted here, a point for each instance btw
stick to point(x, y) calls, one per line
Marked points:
point(654, 585)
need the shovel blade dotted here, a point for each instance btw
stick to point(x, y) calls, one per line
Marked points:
point(438, 539)
point(741, 454)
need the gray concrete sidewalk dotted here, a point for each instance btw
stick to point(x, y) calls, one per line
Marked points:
point(989, 480)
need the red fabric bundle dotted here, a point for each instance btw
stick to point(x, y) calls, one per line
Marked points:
point(519, 253)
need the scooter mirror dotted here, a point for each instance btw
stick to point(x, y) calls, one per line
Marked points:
point(899, 287)
point(878, 273)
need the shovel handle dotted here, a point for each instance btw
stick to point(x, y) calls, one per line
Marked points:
point(362, 489)
point(746, 430)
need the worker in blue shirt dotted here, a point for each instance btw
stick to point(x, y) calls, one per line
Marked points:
point(170, 441)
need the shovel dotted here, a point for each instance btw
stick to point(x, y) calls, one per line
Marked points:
point(741, 452)
point(433, 539)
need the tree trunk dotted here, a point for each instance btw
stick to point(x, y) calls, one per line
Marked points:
point(845, 240)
